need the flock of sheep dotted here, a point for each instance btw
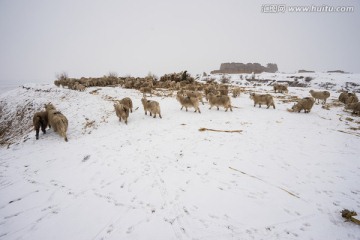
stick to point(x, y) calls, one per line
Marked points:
point(191, 96)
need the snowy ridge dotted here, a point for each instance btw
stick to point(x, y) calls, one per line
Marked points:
point(285, 176)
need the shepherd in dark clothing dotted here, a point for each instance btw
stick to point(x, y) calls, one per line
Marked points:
point(184, 75)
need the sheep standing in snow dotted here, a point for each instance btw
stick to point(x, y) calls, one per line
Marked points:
point(280, 88)
point(40, 120)
point(152, 106)
point(222, 100)
point(236, 92)
point(346, 97)
point(127, 102)
point(354, 106)
point(303, 104)
point(194, 94)
point(80, 87)
point(266, 99)
point(145, 90)
point(188, 102)
point(57, 120)
point(122, 111)
point(323, 95)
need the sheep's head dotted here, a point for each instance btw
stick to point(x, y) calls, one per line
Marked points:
point(290, 110)
point(125, 108)
point(294, 108)
point(49, 106)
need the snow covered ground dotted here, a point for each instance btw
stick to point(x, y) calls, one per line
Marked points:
point(285, 176)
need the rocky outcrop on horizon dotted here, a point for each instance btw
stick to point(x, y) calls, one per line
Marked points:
point(234, 68)
point(305, 71)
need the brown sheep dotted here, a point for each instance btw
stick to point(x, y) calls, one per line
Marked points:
point(152, 106)
point(236, 92)
point(280, 88)
point(222, 100)
point(40, 120)
point(303, 104)
point(122, 111)
point(354, 106)
point(80, 87)
point(57, 120)
point(262, 99)
point(145, 90)
point(127, 102)
point(194, 94)
point(188, 102)
point(346, 97)
point(323, 95)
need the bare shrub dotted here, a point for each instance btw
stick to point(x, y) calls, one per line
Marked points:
point(224, 79)
point(112, 75)
point(62, 76)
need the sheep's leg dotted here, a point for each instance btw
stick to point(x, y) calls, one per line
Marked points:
point(37, 133)
point(199, 110)
point(150, 114)
point(231, 108)
point(259, 105)
point(154, 115)
point(181, 107)
point(186, 108)
point(160, 115)
point(218, 108)
point(43, 129)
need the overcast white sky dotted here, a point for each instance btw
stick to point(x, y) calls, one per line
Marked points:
point(40, 38)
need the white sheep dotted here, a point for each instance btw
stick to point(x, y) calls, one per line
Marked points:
point(323, 95)
point(152, 106)
point(122, 111)
point(188, 102)
point(266, 99)
point(222, 100)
